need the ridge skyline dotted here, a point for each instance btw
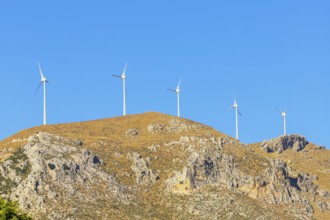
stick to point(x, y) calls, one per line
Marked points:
point(272, 61)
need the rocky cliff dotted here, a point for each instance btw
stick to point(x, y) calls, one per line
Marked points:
point(154, 166)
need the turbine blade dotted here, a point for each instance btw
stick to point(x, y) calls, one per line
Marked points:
point(230, 108)
point(40, 70)
point(178, 87)
point(173, 90)
point(116, 76)
point(124, 72)
point(239, 113)
point(38, 87)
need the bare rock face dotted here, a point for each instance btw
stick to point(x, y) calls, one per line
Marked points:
point(155, 128)
point(131, 132)
point(294, 142)
point(324, 206)
point(282, 189)
point(306, 184)
point(141, 168)
point(173, 126)
point(209, 169)
point(162, 175)
point(55, 169)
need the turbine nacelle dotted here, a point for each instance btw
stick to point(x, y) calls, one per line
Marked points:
point(235, 105)
point(177, 90)
point(123, 75)
point(283, 113)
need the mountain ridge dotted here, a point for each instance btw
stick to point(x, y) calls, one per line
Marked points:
point(153, 165)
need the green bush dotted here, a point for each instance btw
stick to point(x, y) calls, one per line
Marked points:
point(10, 211)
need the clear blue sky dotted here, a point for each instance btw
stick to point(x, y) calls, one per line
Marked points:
point(274, 53)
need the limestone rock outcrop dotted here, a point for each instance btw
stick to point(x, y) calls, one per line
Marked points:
point(294, 142)
point(274, 187)
point(141, 168)
point(51, 168)
point(154, 166)
point(173, 126)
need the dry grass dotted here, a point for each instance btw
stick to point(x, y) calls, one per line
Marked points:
point(106, 138)
point(312, 161)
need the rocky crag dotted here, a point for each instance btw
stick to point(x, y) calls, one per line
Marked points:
point(154, 166)
point(49, 170)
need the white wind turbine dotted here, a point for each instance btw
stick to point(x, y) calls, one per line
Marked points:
point(283, 114)
point(43, 81)
point(177, 91)
point(235, 106)
point(123, 77)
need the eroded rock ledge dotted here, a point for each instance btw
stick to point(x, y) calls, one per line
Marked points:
point(274, 187)
point(282, 143)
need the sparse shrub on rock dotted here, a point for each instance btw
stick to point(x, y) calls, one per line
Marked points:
point(10, 211)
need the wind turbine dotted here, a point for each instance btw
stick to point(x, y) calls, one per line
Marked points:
point(235, 106)
point(123, 77)
point(177, 91)
point(43, 81)
point(283, 114)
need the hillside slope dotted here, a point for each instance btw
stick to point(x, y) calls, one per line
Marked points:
point(155, 166)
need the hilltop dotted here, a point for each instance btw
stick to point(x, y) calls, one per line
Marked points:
point(155, 166)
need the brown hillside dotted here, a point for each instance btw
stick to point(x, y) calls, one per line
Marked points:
point(155, 166)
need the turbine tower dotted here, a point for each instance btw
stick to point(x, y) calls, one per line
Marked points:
point(283, 114)
point(177, 91)
point(123, 77)
point(43, 81)
point(237, 112)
